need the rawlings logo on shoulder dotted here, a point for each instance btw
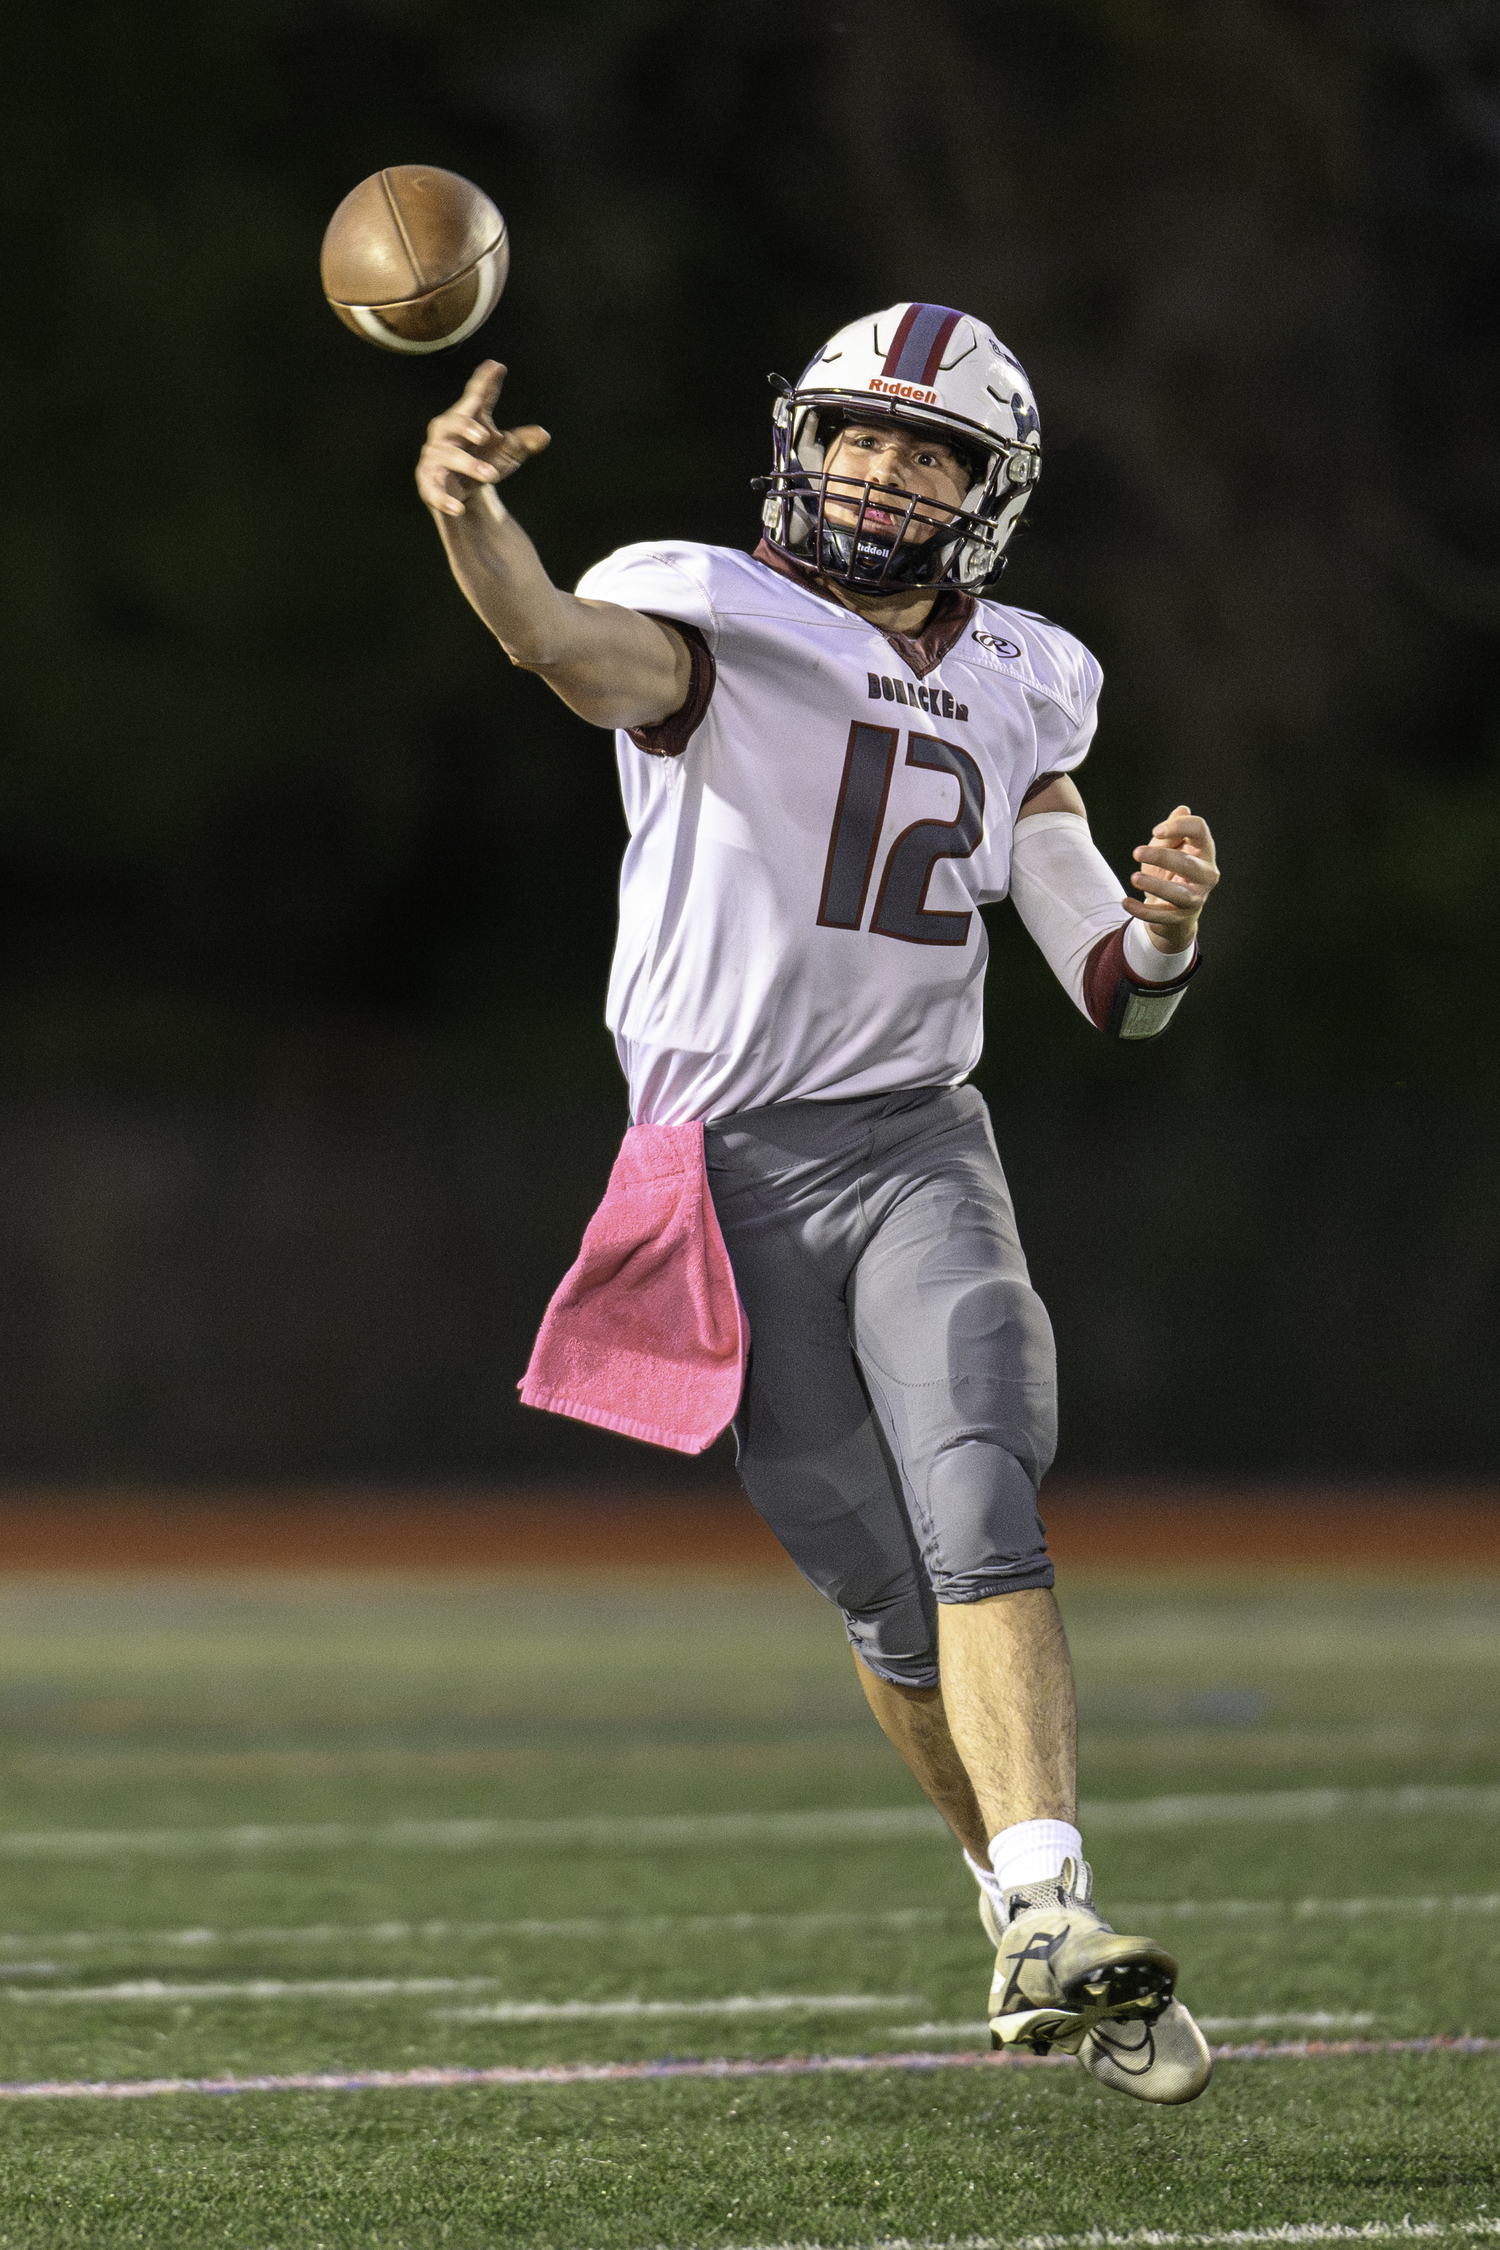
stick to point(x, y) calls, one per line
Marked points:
point(902, 390)
point(995, 645)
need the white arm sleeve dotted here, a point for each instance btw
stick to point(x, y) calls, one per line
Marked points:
point(1068, 896)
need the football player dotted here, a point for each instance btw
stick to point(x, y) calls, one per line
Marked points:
point(833, 751)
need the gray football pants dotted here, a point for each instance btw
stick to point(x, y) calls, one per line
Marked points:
point(901, 1406)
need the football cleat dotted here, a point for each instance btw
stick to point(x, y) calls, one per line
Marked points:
point(1163, 2061)
point(1060, 1971)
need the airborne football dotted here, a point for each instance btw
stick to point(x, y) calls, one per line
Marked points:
point(415, 259)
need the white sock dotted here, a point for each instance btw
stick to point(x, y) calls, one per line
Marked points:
point(1033, 1852)
point(989, 1883)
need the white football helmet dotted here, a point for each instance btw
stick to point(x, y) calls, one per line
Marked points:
point(928, 368)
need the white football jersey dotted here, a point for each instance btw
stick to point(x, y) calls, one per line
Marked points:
point(798, 900)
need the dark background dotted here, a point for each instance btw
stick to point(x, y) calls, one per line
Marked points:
point(306, 900)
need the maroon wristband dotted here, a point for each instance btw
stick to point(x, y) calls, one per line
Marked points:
point(1123, 1005)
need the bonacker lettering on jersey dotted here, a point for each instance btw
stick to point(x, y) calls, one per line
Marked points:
point(937, 702)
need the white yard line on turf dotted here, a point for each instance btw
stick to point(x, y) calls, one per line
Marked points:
point(1230, 1909)
point(777, 2066)
point(616, 1831)
point(1154, 2238)
point(198, 1939)
point(1277, 1805)
point(569, 2011)
point(253, 1988)
point(498, 2011)
point(1305, 2020)
point(677, 1831)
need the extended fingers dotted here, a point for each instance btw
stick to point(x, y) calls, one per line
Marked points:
point(446, 468)
point(456, 422)
point(1174, 872)
point(461, 461)
point(440, 463)
point(1156, 911)
point(1181, 897)
point(1190, 865)
point(464, 448)
point(470, 419)
point(482, 389)
point(1185, 827)
point(511, 447)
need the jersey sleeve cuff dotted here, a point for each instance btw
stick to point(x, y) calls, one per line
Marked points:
point(670, 736)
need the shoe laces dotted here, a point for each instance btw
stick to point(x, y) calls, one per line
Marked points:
point(1072, 1885)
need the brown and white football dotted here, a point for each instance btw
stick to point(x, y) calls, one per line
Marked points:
point(415, 259)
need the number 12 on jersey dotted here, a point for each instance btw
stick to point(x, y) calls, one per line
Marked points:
point(869, 763)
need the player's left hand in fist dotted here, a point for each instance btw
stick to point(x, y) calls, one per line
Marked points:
point(1177, 871)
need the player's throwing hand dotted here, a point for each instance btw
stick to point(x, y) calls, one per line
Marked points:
point(465, 450)
point(1176, 873)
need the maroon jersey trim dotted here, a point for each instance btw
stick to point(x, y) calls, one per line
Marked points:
point(670, 736)
point(922, 652)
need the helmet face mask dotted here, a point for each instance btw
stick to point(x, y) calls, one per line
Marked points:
point(932, 372)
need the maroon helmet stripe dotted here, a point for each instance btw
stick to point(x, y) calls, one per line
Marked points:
point(917, 349)
point(899, 345)
point(939, 346)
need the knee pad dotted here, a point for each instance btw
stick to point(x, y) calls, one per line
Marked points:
point(898, 1640)
point(1003, 1380)
point(990, 1538)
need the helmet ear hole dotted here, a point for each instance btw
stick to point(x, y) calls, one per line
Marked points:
point(812, 434)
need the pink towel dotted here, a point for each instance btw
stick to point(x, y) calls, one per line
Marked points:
point(646, 1333)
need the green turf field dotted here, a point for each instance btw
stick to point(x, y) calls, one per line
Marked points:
point(289, 1826)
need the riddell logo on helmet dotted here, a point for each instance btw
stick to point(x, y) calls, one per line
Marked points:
point(902, 390)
